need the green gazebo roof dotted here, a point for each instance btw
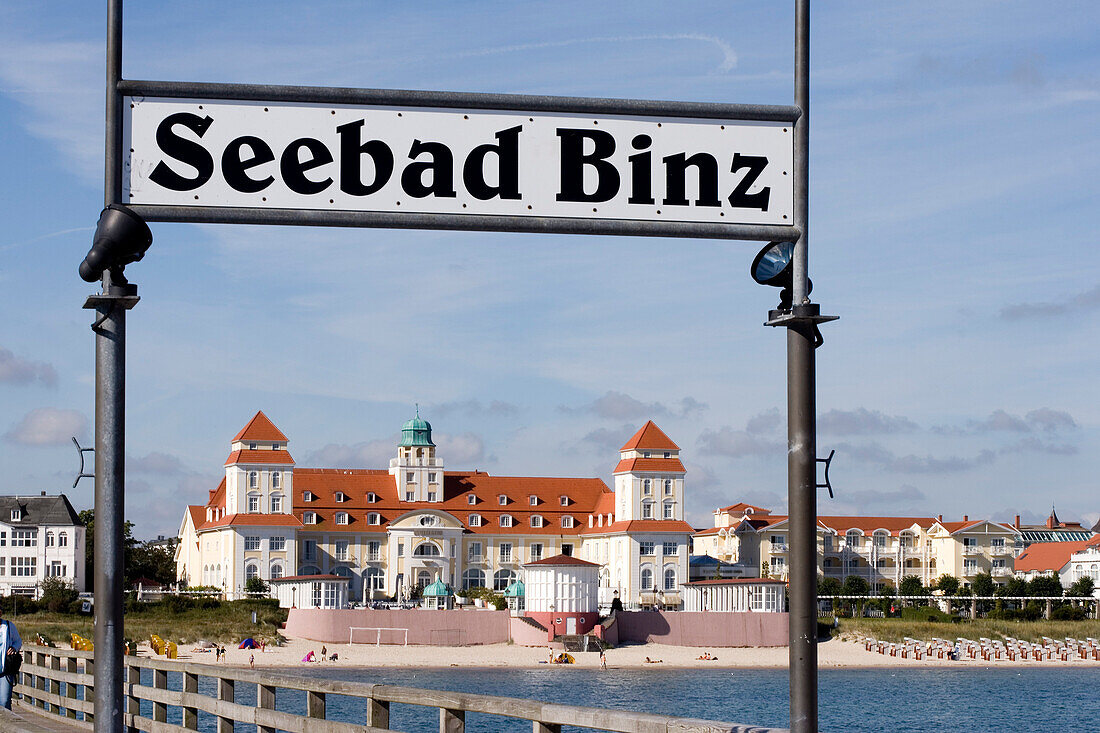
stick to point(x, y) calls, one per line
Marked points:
point(515, 590)
point(436, 590)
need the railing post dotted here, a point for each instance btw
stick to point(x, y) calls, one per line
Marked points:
point(89, 690)
point(190, 714)
point(160, 682)
point(133, 703)
point(539, 727)
point(315, 704)
point(55, 684)
point(225, 692)
point(452, 720)
point(70, 687)
point(41, 682)
point(378, 713)
point(265, 699)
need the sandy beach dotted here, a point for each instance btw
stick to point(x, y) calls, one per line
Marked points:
point(831, 654)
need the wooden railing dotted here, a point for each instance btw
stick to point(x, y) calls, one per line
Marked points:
point(60, 682)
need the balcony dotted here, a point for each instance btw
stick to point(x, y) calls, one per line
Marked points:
point(475, 559)
point(969, 571)
point(972, 550)
point(374, 557)
point(1001, 572)
point(779, 547)
point(1001, 550)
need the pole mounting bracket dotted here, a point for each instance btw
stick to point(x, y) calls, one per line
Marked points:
point(827, 461)
point(800, 315)
point(80, 452)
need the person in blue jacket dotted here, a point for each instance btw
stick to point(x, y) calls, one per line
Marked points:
point(10, 644)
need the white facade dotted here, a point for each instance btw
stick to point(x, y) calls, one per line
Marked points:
point(1083, 564)
point(40, 537)
point(740, 595)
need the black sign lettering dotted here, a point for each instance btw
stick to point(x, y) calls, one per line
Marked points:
point(351, 151)
point(574, 159)
point(641, 175)
point(294, 168)
point(676, 179)
point(235, 165)
point(441, 166)
point(740, 198)
point(183, 150)
point(506, 151)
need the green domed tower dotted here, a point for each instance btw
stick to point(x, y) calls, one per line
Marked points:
point(417, 471)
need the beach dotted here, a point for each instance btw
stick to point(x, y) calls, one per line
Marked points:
point(834, 653)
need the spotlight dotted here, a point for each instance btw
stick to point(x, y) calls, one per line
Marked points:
point(121, 237)
point(772, 266)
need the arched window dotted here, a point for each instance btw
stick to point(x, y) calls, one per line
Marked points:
point(62, 539)
point(881, 538)
point(647, 579)
point(374, 579)
point(276, 570)
point(251, 571)
point(427, 549)
point(342, 571)
point(503, 578)
point(276, 479)
point(473, 578)
point(49, 539)
point(647, 486)
point(852, 538)
point(206, 575)
point(670, 578)
point(668, 487)
point(253, 479)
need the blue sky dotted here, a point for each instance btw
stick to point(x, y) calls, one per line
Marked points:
point(954, 160)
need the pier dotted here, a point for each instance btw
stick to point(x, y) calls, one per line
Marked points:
point(54, 694)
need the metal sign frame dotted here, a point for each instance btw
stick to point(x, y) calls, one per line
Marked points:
point(800, 323)
point(454, 100)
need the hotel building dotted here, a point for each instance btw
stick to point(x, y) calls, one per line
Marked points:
point(390, 529)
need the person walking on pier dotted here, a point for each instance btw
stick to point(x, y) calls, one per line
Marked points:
point(10, 644)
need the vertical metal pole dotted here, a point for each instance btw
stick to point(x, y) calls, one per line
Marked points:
point(802, 419)
point(110, 427)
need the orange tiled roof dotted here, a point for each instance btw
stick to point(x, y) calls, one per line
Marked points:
point(650, 465)
point(253, 520)
point(650, 437)
point(217, 497)
point(741, 507)
point(894, 525)
point(585, 496)
point(281, 457)
point(955, 527)
point(1042, 556)
point(198, 514)
point(260, 428)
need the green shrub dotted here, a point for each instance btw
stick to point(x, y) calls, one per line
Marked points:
point(176, 604)
point(927, 613)
point(1068, 613)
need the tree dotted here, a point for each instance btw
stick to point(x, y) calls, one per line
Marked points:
point(912, 586)
point(1044, 585)
point(255, 584)
point(855, 586)
point(983, 585)
point(1082, 587)
point(150, 560)
point(828, 587)
point(949, 584)
point(57, 594)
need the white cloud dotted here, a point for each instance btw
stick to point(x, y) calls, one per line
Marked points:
point(48, 426)
point(16, 370)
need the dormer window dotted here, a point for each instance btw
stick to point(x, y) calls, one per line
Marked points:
point(502, 500)
point(252, 446)
point(340, 496)
point(372, 497)
point(471, 499)
point(645, 454)
point(341, 517)
point(475, 520)
point(309, 518)
point(567, 522)
point(374, 518)
point(308, 496)
point(533, 500)
point(668, 454)
point(505, 520)
point(564, 500)
point(16, 515)
point(536, 520)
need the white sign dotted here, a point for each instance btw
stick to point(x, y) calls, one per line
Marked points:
point(211, 153)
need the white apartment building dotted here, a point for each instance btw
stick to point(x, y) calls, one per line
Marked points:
point(40, 537)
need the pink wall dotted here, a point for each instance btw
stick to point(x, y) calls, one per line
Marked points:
point(440, 628)
point(527, 635)
point(702, 628)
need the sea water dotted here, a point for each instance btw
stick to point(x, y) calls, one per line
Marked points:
point(895, 699)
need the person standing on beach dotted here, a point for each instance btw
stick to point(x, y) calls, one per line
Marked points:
point(10, 644)
point(324, 653)
point(603, 659)
point(252, 661)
